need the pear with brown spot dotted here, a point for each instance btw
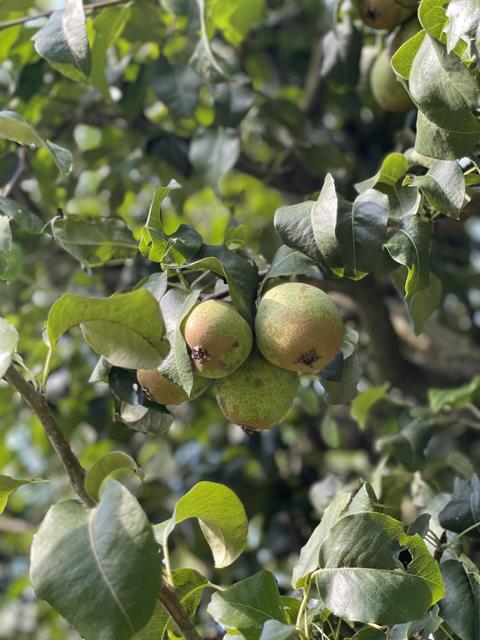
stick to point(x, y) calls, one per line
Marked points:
point(218, 337)
point(298, 327)
point(257, 395)
point(385, 14)
point(162, 390)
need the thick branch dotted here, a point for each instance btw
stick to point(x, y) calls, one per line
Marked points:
point(88, 7)
point(39, 405)
point(172, 604)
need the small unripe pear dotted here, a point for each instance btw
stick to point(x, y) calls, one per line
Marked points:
point(404, 33)
point(257, 395)
point(385, 14)
point(387, 90)
point(162, 390)
point(298, 327)
point(218, 337)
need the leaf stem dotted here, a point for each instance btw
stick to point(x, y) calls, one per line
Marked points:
point(302, 612)
point(460, 535)
point(37, 402)
point(46, 14)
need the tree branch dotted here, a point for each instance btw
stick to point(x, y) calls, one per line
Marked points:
point(172, 604)
point(46, 14)
point(37, 402)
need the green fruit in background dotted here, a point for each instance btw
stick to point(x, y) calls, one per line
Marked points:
point(257, 395)
point(386, 89)
point(385, 14)
point(162, 390)
point(218, 337)
point(404, 33)
point(298, 327)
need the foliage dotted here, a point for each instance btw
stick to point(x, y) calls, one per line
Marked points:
point(159, 153)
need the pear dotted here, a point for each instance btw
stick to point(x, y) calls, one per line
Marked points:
point(385, 14)
point(162, 390)
point(218, 337)
point(298, 327)
point(386, 89)
point(257, 395)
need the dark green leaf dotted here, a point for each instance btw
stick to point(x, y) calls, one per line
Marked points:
point(454, 398)
point(21, 216)
point(409, 444)
point(247, 605)
point(275, 630)
point(98, 568)
point(177, 86)
point(213, 152)
point(63, 42)
point(386, 591)
point(443, 186)
point(410, 247)
point(463, 510)
point(460, 608)
point(15, 128)
point(95, 242)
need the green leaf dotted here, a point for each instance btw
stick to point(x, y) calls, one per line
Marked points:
point(6, 244)
point(362, 404)
point(460, 608)
point(424, 628)
point(189, 586)
point(404, 56)
point(350, 236)
point(287, 262)
point(408, 446)
point(247, 605)
point(180, 246)
point(235, 18)
point(146, 420)
point(15, 128)
point(221, 517)
point(98, 568)
point(386, 591)
point(127, 328)
point(392, 169)
point(275, 630)
point(24, 218)
point(95, 242)
point(463, 510)
point(410, 247)
point(177, 86)
point(108, 26)
point(340, 377)
point(423, 303)
point(8, 485)
point(454, 398)
point(109, 464)
point(443, 186)
point(308, 560)
point(63, 42)
point(446, 93)
point(240, 274)
point(8, 345)
point(463, 23)
point(175, 305)
point(294, 226)
point(213, 152)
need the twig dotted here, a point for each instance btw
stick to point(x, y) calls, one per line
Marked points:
point(39, 405)
point(22, 165)
point(46, 14)
point(172, 604)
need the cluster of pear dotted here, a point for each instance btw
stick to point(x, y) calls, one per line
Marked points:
point(297, 329)
point(389, 15)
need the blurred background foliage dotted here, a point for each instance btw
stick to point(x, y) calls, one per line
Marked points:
point(299, 105)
